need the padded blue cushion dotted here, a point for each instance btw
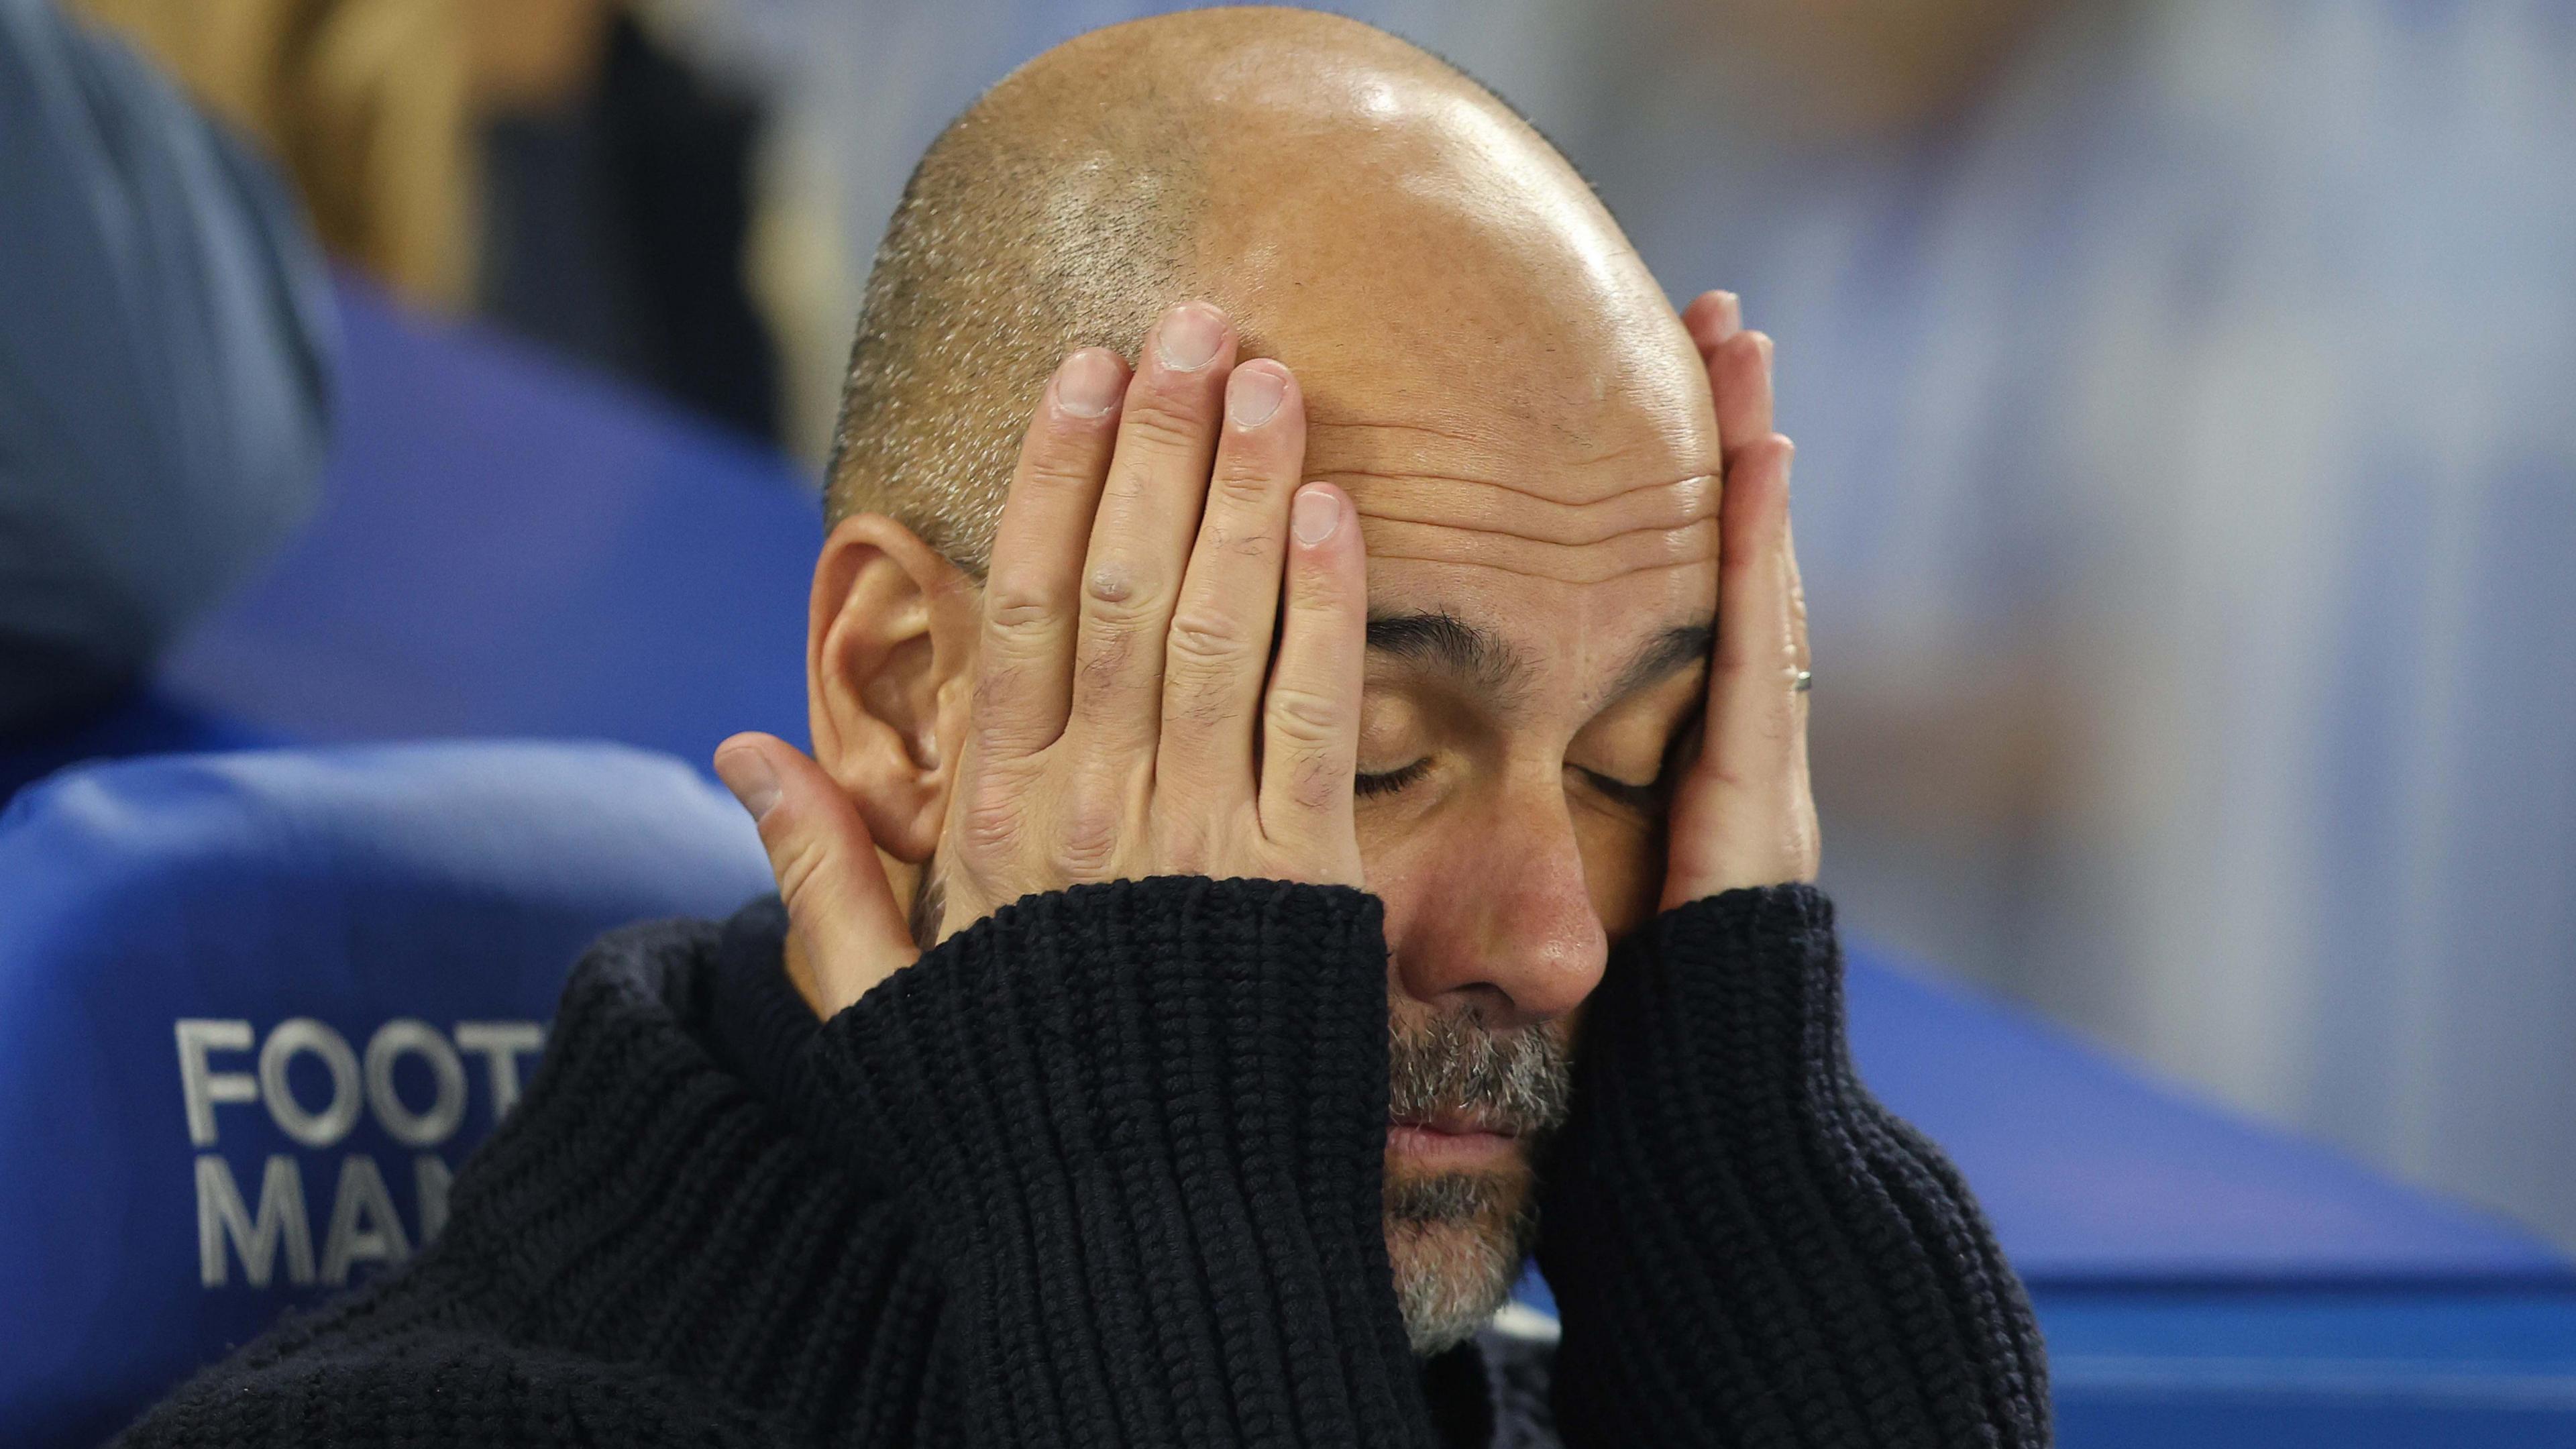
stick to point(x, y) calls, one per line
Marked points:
point(511, 546)
point(2096, 1176)
point(292, 905)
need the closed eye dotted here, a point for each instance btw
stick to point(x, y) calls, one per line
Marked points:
point(1649, 797)
point(1387, 783)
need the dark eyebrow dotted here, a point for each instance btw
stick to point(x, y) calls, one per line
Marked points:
point(1673, 649)
point(1440, 638)
point(1443, 639)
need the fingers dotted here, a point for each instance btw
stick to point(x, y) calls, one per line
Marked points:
point(1739, 369)
point(1711, 318)
point(828, 873)
point(1310, 717)
point(1140, 539)
point(1752, 683)
point(1032, 589)
point(1219, 647)
point(1739, 379)
point(1750, 817)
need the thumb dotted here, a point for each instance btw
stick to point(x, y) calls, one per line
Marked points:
point(838, 902)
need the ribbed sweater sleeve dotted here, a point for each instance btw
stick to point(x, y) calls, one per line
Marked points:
point(1141, 1127)
point(1746, 1247)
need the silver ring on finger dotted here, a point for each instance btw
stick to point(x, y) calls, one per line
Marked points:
point(1804, 681)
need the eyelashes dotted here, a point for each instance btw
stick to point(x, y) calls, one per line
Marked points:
point(1366, 785)
point(1649, 798)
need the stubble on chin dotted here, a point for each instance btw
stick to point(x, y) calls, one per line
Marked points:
point(1456, 1240)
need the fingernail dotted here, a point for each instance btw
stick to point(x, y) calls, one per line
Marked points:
point(1189, 336)
point(750, 779)
point(1316, 515)
point(1253, 394)
point(1762, 344)
point(1087, 386)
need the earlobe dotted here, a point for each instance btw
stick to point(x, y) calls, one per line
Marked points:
point(885, 645)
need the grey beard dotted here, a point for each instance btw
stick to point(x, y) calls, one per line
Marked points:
point(1457, 1241)
point(1456, 1244)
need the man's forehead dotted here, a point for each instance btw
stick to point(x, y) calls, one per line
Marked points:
point(1580, 457)
point(1540, 525)
point(1464, 522)
point(1520, 644)
point(1566, 555)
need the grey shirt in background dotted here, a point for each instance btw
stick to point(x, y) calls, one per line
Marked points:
point(166, 349)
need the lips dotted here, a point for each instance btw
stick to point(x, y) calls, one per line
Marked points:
point(1452, 1142)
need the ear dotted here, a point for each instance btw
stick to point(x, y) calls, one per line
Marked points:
point(889, 649)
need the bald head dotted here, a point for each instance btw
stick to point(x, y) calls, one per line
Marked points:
point(1366, 213)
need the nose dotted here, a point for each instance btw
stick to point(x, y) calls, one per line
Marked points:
point(1498, 914)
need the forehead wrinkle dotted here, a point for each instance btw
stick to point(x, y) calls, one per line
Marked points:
point(1698, 500)
point(1607, 535)
point(1318, 422)
point(1390, 541)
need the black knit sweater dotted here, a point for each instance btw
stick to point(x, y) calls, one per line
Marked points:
point(1105, 1170)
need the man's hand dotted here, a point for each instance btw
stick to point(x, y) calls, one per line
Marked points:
point(1128, 718)
point(1744, 815)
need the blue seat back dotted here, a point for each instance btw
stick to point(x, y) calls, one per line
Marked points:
point(255, 1009)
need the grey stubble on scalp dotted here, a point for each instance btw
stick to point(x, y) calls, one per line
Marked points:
point(1041, 221)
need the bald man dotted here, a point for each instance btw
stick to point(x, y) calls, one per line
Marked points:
point(1298, 822)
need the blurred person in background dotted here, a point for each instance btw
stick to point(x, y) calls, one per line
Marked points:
point(2189, 489)
point(617, 202)
point(367, 104)
point(552, 166)
point(166, 345)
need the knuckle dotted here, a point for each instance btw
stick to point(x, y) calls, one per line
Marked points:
point(1161, 423)
point(1062, 462)
point(1306, 716)
point(1202, 635)
point(1241, 484)
point(1086, 847)
point(799, 865)
point(986, 831)
point(1016, 615)
point(989, 820)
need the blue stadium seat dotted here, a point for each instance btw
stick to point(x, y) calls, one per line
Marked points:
point(255, 1008)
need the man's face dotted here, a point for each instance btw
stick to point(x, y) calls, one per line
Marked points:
point(1526, 432)
point(1518, 721)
